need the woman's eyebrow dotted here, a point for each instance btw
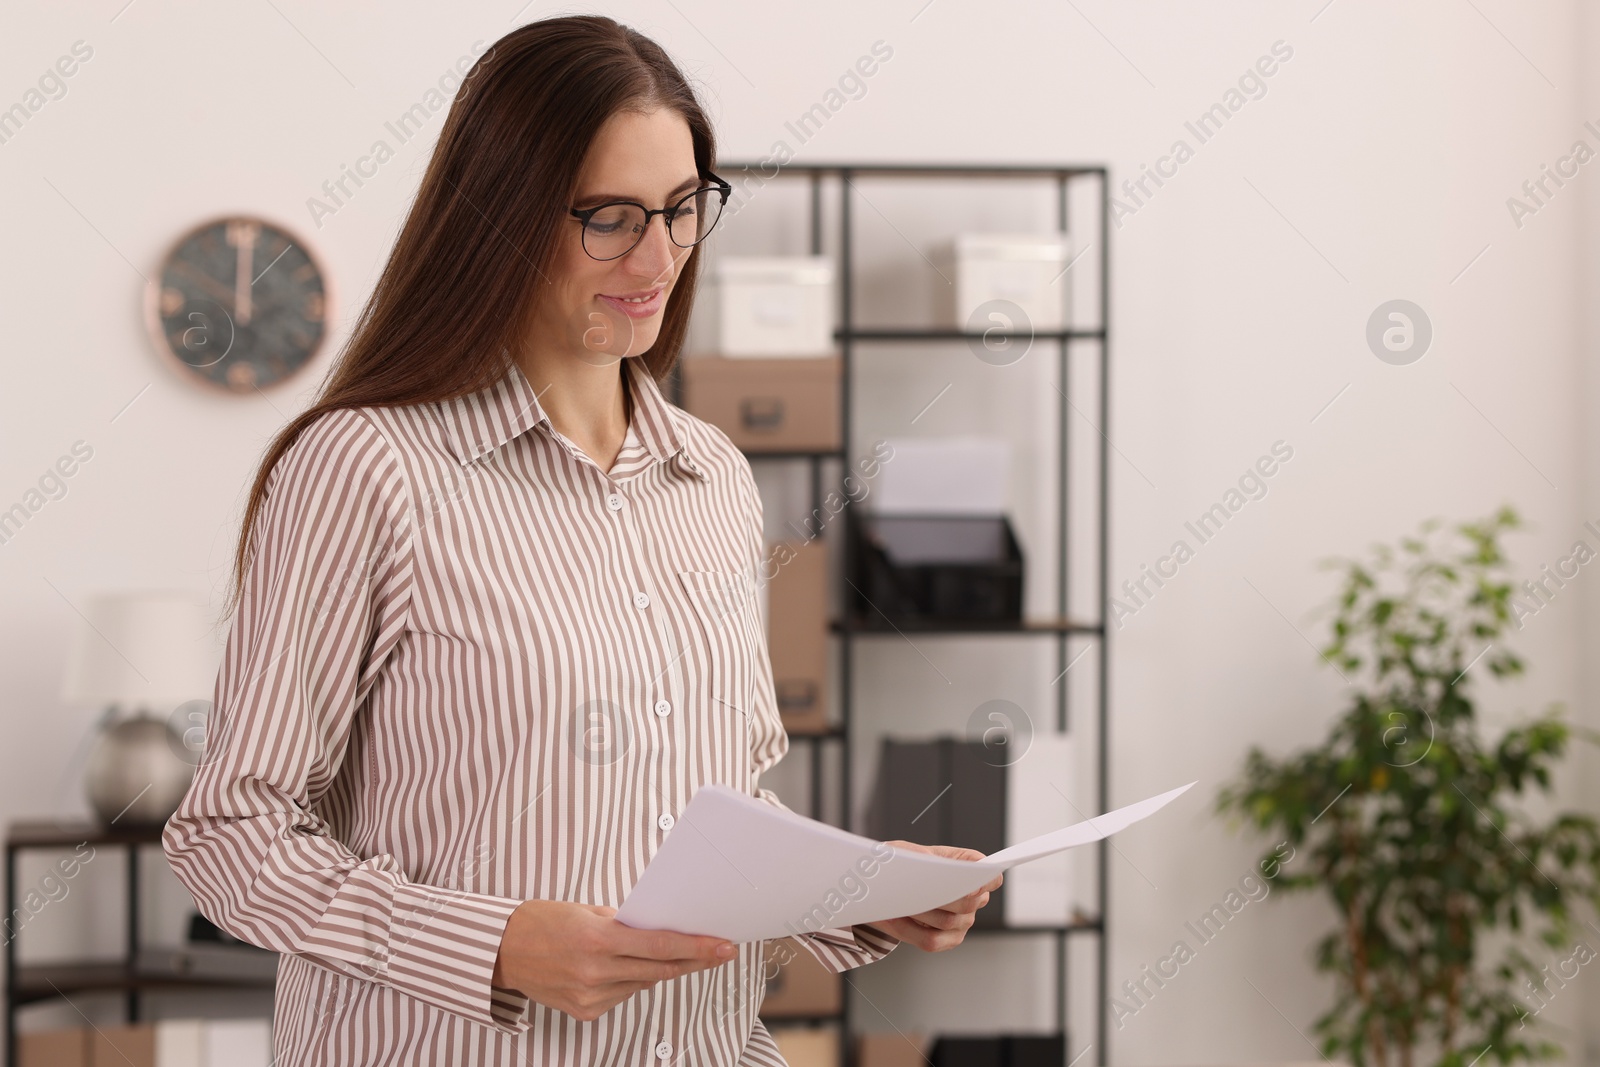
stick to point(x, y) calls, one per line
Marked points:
point(683, 187)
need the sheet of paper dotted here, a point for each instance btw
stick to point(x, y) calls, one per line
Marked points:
point(947, 475)
point(737, 867)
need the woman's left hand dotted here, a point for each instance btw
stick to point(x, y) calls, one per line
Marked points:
point(945, 927)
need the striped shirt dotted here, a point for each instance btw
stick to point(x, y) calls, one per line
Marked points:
point(470, 667)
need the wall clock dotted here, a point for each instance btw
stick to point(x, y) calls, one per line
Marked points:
point(241, 304)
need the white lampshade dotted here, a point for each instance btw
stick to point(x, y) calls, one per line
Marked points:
point(150, 649)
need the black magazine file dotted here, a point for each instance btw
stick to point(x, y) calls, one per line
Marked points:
point(911, 801)
point(935, 569)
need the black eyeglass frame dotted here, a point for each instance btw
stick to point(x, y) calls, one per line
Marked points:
point(722, 188)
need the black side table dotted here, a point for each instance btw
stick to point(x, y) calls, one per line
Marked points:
point(38, 982)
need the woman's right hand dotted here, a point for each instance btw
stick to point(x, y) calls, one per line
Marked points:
point(577, 959)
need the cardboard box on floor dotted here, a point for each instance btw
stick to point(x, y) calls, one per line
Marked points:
point(107, 1046)
point(53, 1048)
point(243, 1042)
point(909, 1049)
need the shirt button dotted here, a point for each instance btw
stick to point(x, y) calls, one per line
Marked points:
point(665, 822)
point(614, 502)
point(663, 708)
point(641, 600)
point(663, 1049)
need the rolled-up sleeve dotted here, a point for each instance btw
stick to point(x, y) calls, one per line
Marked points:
point(326, 597)
point(839, 948)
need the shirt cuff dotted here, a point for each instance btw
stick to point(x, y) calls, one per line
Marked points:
point(443, 944)
point(842, 947)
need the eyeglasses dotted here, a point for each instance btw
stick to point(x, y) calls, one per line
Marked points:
point(612, 229)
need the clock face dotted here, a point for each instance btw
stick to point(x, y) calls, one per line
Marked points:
point(241, 304)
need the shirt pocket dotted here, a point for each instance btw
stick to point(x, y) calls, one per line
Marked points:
point(720, 657)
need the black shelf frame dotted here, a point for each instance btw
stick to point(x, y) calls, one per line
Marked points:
point(897, 333)
point(40, 982)
point(1062, 628)
point(867, 626)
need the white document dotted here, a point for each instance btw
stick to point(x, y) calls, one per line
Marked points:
point(964, 475)
point(1043, 892)
point(739, 868)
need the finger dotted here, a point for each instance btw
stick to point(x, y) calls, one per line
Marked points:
point(634, 969)
point(912, 846)
point(666, 945)
point(911, 928)
point(971, 902)
point(954, 852)
point(967, 904)
point(938, 919)
point(905, 929)
point(960, 920)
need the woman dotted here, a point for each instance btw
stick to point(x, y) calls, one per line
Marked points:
point(497, 619)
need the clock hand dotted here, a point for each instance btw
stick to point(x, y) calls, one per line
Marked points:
point(246, 238)
point(205, 281)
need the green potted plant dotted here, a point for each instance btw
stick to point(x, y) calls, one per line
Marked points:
point(1411, 822)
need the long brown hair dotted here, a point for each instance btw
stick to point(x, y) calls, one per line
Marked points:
point(476, 248)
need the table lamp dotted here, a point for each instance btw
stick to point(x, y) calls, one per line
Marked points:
point(141, 655)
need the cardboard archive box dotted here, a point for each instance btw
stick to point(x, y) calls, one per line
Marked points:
point(797, 633)
point(797, 982)
point(767, 405)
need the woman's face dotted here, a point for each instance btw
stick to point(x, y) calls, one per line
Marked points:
point(585, 310)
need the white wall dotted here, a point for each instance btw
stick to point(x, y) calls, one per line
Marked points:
point(1377, 166)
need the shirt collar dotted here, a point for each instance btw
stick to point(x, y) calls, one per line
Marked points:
point(480, 422)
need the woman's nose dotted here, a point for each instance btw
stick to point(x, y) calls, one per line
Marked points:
point(655, 253)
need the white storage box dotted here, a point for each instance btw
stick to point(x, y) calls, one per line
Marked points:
point(1026, 269)
point(771, 306)
point(1037, 787)
point(952, 475)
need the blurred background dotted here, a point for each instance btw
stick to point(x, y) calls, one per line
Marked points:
point(1275, 282)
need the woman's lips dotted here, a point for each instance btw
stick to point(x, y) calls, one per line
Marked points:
point(638, 309)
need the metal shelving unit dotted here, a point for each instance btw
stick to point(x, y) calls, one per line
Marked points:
point(37, 983)
point(852, 630)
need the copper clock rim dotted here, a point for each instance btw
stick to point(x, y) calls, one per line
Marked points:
point(152, 303)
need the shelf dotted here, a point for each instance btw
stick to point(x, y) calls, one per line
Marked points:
point(928, 333)
point(802, 1018)
point(921, 170)
point(879, 626)
point(66, 834)
point(799, 453)
point(830, 734)
point(42, 981)
point(814, 1018)
point(857, 343)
